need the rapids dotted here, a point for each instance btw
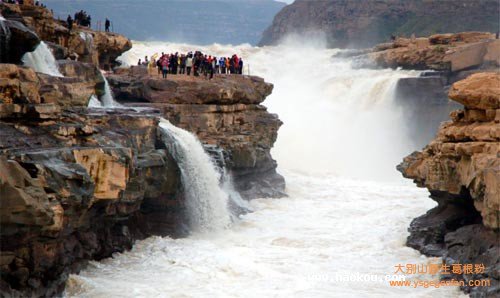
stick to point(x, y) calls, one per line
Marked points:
point(347, 212)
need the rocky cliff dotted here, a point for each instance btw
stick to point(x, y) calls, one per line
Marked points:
point(78, 183)
point(461, 169)
point(75, 183)
point(352, 23)
point(444, 59)
point(224, 112)
point(442, 52)
point(28, 24)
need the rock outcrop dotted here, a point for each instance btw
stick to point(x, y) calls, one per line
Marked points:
point(15, 40)
point(352, 23)
point(75, 184)
point(224, 111)
point(98, 48)
point(79, 184)
point(442, 52)
point(461, 169)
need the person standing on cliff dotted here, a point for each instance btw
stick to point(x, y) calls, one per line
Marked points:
point(222, 65)
point(70, 23)
point(107, 24)
point(189, 63)
point(164, 66)
point(158, 64)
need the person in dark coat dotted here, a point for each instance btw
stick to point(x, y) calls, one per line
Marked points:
point(106, 25)
point(70, 23)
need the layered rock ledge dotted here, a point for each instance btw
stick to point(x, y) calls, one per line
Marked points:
point(75, 184)
point(30, 24)
point(443, 59)
point(461, 169)
point(224, 112)
point(442, 52)
point(79, 183)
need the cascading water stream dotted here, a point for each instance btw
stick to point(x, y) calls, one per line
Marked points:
point(42, 60)
point(347, 212)
point(5, 36)
point(206, 201)
point(107, 99)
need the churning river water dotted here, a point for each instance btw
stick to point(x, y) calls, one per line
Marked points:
point(342, 230)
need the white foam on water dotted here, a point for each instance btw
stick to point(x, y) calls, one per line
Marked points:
point(94, 102)
point(292, 247)
point(42, 60)
point(206, 201)
point(107, 99)
point(347, 212)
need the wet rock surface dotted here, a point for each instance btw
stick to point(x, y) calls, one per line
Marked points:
point(15, 40)
point(98, 48)
point(224, 112)
point(461, 169)
point(79, 184)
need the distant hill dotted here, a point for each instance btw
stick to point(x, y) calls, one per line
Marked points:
point(190, 21)
point(363, 23)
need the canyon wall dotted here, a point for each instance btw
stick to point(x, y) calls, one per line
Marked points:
point(352, 23)
point(461, 169)
point(443, 59)
point(79, 183)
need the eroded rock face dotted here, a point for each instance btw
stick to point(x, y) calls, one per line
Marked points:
point(98, 48)
point(15, 40)
point(75, 184)
point(224, 112)
point(443, 52)
point(21, 88)
point(80, 184)
point(461, 169)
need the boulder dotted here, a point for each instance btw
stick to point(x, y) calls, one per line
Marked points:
point(479, 91)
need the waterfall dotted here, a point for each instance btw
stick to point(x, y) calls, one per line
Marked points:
point(94, 102)
point(42, 60)
point(237, 204)
point(4, 39)
point(88, 38)
point(107, 99)
point(206, 201)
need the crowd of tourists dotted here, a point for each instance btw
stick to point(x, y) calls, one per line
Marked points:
point(83, 19)
point(195, 63)
point(21, 2)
